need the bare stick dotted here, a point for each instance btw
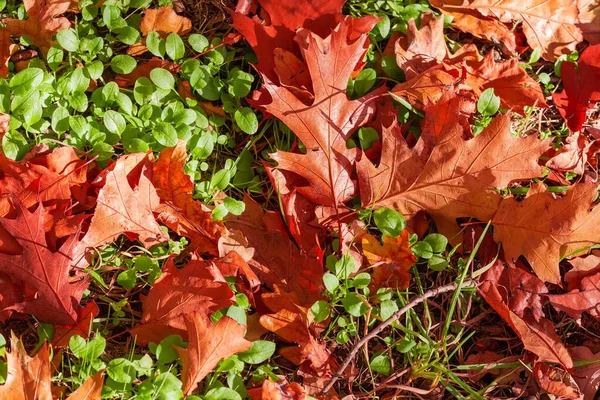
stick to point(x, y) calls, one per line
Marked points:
point(388, 322)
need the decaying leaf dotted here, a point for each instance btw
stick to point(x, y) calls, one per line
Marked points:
point(390, 262)
point(164, 20)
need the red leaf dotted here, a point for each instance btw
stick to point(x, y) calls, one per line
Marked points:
point(325, 126)
point(198, 286)
point(583, 299)
point(581, 84)
point(85, 316)
point(276, 260)
point(123, 208)
point(208, 345)
point(57, 294)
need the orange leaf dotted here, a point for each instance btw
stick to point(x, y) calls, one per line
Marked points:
point(164, 21)
point(44, 20)
point(28, 378)
point(90, 389)
point(178, 210)
point(123, 208)
point(555, 381)
point(7, 49)
point(208, 345)
point(391, 261)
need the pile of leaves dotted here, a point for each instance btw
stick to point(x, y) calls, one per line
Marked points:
point(299, 199)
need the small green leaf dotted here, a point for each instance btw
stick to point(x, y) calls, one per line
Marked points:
point(405, 345)
point(175, 47)
point(114, 122)
point(387, 308)
point(198, 42)
point(260, 351)
point(68, 40)
point(488, 103)
point(155, 44)
point(219, 212)
point(354, 305)
point(60, 120)
point(382, 364)
point(437, 263)
point(54, 57)
point(367, 137)
point(320, 310)
point(331, 282)
point(165, 134)
point(165, 353)
point(362, 280)
point(162, 78)
point(127, 278)
point(391, 68)
point(121, 370)
point(236, 207)
point(222, 393)
point(123, 64)
point(364, 81)
point(127, 35)
point(390, 222)
point(246, 120)
point(422, 249)
point(344, 267)
point(437, 242)
point(220, 180)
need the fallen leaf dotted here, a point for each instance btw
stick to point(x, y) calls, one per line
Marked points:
point(281, 391)
point(7, 49)
point(555, 381)
point(90, 389)
point(427, 89)
point(178, 210)
point(12, 292)
point(583, 299)
point(572, 155)
point(85, 316)
point(445, 175)
point(123, 208)
point(588, 20)
point(582, 267)
point(289, 320)
point(208, 344)
point(586, 376)
point(143, 71)
point(44, 20)
point(549, 25)
point(272, 254)
point(198, 286)
point(581, 84)
point(538, 337)
point(390, 262)
point(28, 378)
point(164, 21)
point(476, 24)
point(57, 294)
point(568, 225)
point(325, 126)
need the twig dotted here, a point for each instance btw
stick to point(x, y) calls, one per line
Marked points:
point(388, 322)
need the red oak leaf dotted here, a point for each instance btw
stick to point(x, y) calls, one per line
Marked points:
point(325, 125)
point(198, 286)
point(178, 210)
point(57, 295)
point(208, 344)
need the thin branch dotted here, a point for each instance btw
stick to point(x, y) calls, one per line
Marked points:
point(388, 322)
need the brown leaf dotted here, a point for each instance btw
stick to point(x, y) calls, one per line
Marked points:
point(572, 155)
point(281, 391)
point(178, 210)
point(90, 389)
point(276, 260)
point(208, 344)
point(549, 25)
point(391, 261)
point(325, 126)
point(588, 20)
point(427, 89)
point(44, 20)
point(445, 175)
point(555, 381)
point(28, 378)
point(568, 225)
point(164, 21)
point(123, 208)
point(57, 295)
point(476, 24)
point(198, 286)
